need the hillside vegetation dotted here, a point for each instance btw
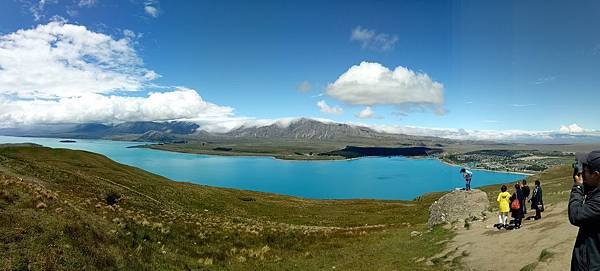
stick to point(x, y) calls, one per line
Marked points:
point(72, 210)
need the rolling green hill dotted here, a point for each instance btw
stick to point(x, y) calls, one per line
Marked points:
point(55, 215)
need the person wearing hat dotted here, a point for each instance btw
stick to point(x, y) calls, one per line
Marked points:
point(584, 211)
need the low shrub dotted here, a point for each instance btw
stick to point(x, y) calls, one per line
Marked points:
point(112, 198)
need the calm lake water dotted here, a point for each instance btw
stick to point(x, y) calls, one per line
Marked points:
point(370, 177)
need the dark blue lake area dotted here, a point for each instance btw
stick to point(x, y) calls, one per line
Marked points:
point(369, 177)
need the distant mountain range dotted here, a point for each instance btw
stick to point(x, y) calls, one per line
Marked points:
point(141, 130)
point(299, 129)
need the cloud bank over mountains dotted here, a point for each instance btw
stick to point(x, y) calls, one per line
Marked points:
point(573, 128)
point(178, 104)
point(561, 136)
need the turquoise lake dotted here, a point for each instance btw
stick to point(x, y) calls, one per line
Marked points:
point(369, 177)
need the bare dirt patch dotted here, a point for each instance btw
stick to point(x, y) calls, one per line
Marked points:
point(483, 247)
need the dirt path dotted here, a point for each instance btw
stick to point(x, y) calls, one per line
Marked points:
point(483, 247)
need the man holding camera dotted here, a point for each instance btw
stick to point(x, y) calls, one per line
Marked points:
point(584, 211)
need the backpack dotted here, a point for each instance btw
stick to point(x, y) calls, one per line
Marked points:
point(515, 204)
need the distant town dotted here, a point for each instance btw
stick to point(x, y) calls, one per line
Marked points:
point(523, 161)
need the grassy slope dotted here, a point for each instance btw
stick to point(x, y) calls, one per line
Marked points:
point(161, 224)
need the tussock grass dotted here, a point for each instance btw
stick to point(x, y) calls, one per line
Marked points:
point(529, 267)
point(545, 255)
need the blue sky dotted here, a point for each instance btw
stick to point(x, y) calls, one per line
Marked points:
point(522, 65)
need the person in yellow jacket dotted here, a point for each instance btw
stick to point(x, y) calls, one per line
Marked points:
point(503, 206)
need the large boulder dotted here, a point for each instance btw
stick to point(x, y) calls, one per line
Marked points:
point(458, 205)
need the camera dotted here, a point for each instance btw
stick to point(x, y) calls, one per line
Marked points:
point(577, 168)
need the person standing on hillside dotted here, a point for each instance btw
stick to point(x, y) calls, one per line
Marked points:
point(503, 207)
point(584, 211)
point(516, 208)
point(467, 175)
point(537, 202)
point(526, 192)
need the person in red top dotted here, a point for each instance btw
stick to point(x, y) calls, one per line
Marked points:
point(517, 214)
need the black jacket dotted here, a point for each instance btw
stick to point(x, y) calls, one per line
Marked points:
point(536, 197)
point(519, 213)
point(525, 190)
point(584, 212)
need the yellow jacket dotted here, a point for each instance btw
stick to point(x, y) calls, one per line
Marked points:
point(503, 202)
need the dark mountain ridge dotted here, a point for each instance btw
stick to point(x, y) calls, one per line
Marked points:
point(304, 128)
point(180, 131)
point(156, 131)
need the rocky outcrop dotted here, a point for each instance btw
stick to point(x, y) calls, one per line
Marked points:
point(458, 205)
point(140, 127)
point(156, 136)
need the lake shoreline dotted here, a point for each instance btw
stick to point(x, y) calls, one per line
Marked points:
point(150, 146)
point(276, 157)
point(485, 169)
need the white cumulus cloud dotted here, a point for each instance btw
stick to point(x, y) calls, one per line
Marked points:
point(370, 39)
point(373, 84)
point(64, 73)
point(569, 129)
point(325, 108)
point(152, 11)
point(63, 60)
point(150, 7)
point(366, 113)
point(181, 103)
